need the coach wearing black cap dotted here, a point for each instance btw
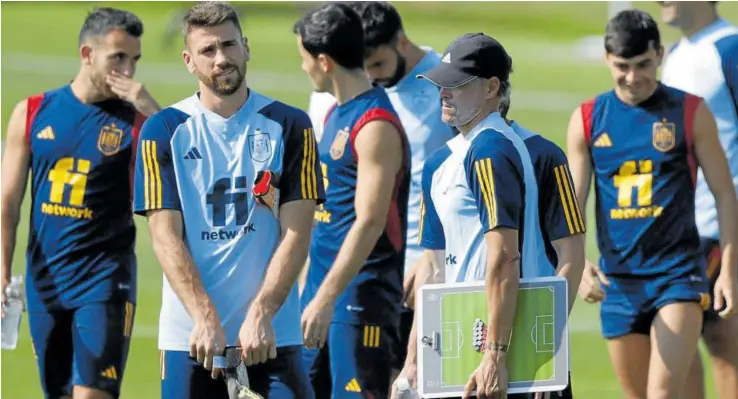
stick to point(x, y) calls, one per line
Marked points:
point(473, 75)
point(472, 214)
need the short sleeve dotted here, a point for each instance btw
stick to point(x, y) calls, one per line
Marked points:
point(155, 181)
point(727, 48)
point(493, 173)
point(301, 177)
point(562, 216)
point(430, 231)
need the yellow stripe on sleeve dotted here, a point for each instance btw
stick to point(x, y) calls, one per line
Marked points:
point(147, 172)
point(572, 200)
point(313, 157)
point(308, 179)
point(152, 176)
point(558, 172)
point(486, 183)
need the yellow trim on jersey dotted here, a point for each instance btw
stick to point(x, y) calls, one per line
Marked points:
point(308, 176)
point(485, 175)
point(152, 176)
point(572, 213)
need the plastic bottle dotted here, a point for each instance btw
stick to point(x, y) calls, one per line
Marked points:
point(13, 309)
point(405, 391)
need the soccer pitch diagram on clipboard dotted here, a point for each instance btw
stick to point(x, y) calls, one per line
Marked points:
point(453, 324)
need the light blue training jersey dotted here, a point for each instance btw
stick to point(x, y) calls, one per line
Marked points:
point(706, 65)
point(195, 161)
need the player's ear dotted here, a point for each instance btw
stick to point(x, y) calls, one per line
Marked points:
point(85, 52)
point(189, 62)
point(325, 63)
point(660, 54)
point(492, 87)
point(247, 48)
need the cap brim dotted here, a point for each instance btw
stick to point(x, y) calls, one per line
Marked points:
point(446, 76)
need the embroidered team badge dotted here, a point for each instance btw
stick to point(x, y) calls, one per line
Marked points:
point(109, 140)
point(664, 135)
point(339, 143)
point(260, 146)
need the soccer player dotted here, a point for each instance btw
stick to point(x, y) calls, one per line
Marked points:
point(228, 181)
point(353, 291)
point(561, 223)
point(392, 61)
point(469, 223)
point(643, 141)
point(78, 143)
point(708, 50)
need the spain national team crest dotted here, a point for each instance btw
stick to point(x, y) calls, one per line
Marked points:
point(109, 140)
point(260, 146)
point(339, 143)
point(664, 135)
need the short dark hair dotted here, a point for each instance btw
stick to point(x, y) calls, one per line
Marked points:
point(631, 33)
point(102, 21)
point(381, 22)
point(209, 14)
point(333, 29)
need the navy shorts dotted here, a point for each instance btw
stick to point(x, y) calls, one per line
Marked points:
point(86, 346)
point(355, 362)
point(280, 378)
point(713, 256)
point(631, 304)
point(406, 324)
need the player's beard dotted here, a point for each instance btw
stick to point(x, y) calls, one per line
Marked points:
point(397, 76)
point(221, 85)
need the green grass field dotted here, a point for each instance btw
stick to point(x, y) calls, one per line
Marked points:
point(39, 52)
point(531, 347)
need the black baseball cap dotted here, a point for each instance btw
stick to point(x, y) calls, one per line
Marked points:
point(473, 55)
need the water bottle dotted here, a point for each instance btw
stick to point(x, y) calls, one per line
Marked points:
point(13, 309)
point(404, 391)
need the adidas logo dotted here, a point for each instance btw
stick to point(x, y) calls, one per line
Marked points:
point(603, 141)
point(353, 386)
point(110, 373)
point(446, 58)
point(46, 134)
point(193, 153)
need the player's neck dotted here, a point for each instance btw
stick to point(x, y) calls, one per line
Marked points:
point(225, 106)
point(85, 91)
point(488, 109)
point(350, 84)
point(623, 97)
point(413, 58)
point(701, 21)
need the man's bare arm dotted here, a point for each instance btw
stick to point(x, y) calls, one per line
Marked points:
point(580, 162)
point(379, 149)
point(15, 168)
point(166, 228)
point(570, 253)
point(296, 220)
point(502, 283)
point(712, 160)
